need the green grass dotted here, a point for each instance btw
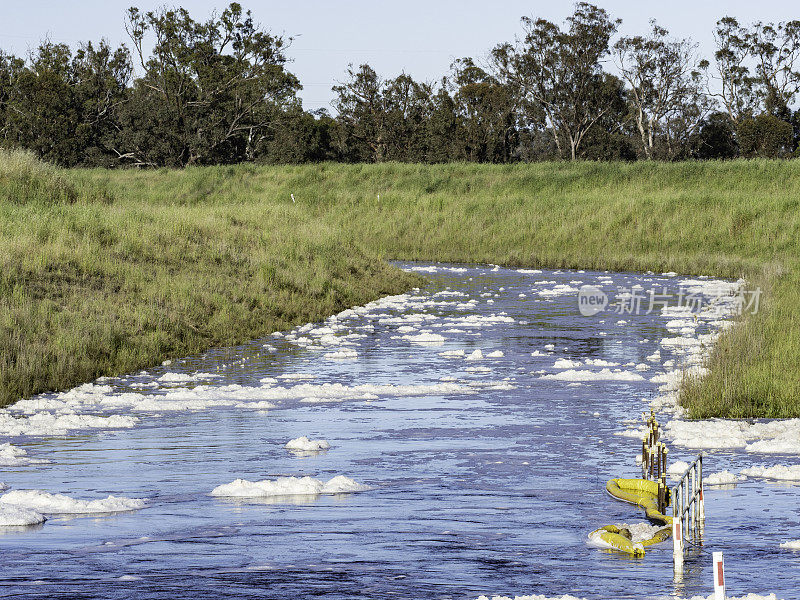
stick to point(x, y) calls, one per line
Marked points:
point(727, 219)
point(92, 283)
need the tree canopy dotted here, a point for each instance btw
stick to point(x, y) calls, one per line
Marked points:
point(186, 92)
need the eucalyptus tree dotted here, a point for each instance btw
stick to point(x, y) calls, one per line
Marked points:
point(384, 119)
point(484, 109)
point(408, 106)
point(776, 49)
point(559, 72)
point(362, 115)
point(10, 68)
point(211, 91)
point(735, 86)
point(443, 129)
point(664, 87)
point(101, 77)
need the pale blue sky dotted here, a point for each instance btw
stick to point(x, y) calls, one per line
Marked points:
point(419, 37)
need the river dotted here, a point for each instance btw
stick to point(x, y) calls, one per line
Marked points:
point(478, 474)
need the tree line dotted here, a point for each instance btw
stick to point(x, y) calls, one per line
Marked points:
point(188, 92)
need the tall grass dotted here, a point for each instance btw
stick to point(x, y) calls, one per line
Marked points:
point(727, 219)
point(95, 283)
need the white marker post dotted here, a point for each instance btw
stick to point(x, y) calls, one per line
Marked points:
point(702, 503)
point(677, 544)
point(719, 576)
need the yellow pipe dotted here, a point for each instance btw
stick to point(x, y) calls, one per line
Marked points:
point(644, 494)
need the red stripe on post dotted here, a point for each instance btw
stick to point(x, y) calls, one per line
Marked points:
point(720, 574)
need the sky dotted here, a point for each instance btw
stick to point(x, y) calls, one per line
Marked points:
point(421, 38)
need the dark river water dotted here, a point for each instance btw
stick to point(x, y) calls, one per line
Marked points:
point(485, 475)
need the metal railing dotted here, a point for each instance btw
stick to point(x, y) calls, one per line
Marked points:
point(688, 510)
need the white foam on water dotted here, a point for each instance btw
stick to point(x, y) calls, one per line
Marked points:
point(46, 424)
point(529, 597)
point(452, 353)
point(602, 375)
point(529, 271)
point(723, 478)
point(303, 444)
point(12, 516)
point(549, 346)
point(599, 362)
point(566, 363)
point(426, 339)
point(475, 355)
point(287, 486)
point(263, 405)
point(480, 320)
point(778, 472)
point(184, 377)
point(765, 437)
point(495, 354)
point(346, 354)
point(750, 596)
point(791, 545)
point(558, 290)
point(58, 504)
point(11, 456)
point(677, 468)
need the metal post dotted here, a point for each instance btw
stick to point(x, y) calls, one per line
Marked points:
point(702, 500)
point(692, 503)
point(684, 516)
point(719, 576)
point(677, 542)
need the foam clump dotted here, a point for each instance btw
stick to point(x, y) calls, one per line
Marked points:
point(452, 353)
point(765, 437)
point(425, 339)
point(58, 504)
point(185, 377)
point(779, 472)
point(13, 516)
point(566, 363)
point(303, 444)
point(723, 478)
point(11, 456)
point(791, 545)
point(533, 597)
point(559, 290)
point(747, 597)
point(602, 375)
point(47, 423)
point(495, 354)
point(475, 355)
point(287, 486)
point(344, 354)
point(677, 468)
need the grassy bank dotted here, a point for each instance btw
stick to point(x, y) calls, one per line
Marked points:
point(93, 281)
point(726, 219)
